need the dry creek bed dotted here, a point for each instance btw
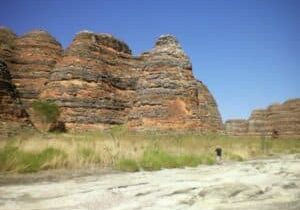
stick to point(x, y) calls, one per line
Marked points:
point(266, 184)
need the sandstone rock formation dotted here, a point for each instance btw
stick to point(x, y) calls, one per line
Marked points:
point(167, 94)
point(35, 55)
point(94, 83)
point(12, 113)
point(98, 83)
point(7, 38)
point(236, 127)
point(281, 118)
point(30, 59)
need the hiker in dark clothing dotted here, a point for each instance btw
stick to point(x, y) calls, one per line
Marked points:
point(275, 134)
point(219, 154)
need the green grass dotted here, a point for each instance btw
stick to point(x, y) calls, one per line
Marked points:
point(156, 159)
point(128, 165)
point(117, 148)
point(88, 155)
point(12, 158)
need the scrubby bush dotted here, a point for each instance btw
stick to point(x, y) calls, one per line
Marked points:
point(48, 111)
point(45, 116)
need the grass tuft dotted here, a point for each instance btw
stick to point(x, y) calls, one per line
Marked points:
point(14, 159)
point(158, 159)
point(128, 165)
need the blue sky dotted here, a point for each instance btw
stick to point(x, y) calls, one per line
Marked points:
point(246, 51)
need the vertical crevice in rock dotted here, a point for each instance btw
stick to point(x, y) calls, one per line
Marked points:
point(12, 113)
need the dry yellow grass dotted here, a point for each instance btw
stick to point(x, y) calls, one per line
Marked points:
point(106, 149)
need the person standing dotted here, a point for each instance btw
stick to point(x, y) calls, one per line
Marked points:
point(218, 154)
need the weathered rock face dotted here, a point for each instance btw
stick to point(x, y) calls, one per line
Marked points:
point(97, 83)
point(236, 127)
point(167, 94)
point(12, 113)
point(7, 38)
point(94, 83)
point(30, 59)
point(281, 118)
point(35, 55)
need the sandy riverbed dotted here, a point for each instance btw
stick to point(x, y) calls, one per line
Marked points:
point(266, 184)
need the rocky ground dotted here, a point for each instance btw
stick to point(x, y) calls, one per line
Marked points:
point(272, 183)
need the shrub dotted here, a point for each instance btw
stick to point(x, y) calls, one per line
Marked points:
point(48, 111)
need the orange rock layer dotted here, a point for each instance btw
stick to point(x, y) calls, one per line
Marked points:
point(97, 82)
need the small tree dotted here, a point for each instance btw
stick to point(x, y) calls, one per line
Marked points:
point(47, 112)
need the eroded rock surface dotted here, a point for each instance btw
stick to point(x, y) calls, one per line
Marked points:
point(98, 83)
point(30, 58)
point(12, 112)
point(270, 184)
point(237, 127)
point(167, 94)
point(283, 119)
point(94, 83)
point(7, 38)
